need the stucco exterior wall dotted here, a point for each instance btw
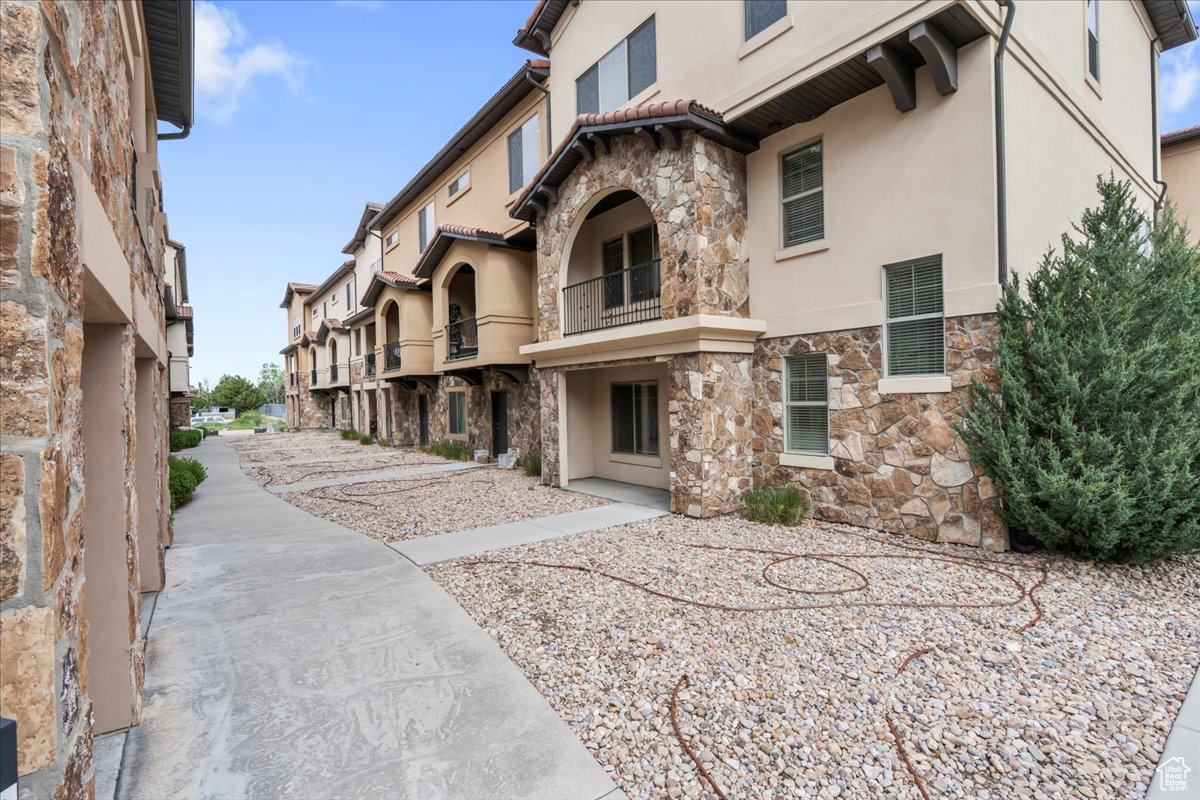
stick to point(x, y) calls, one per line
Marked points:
point(1181, 171)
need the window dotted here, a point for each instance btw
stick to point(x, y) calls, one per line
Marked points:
point(523, 154)
point(806, 404)
point(460, 183)
point(324, 309)
point(295, 326)
point(761, 13)
point(458, 413)
point(612, 261)
point(620, 74)
point(915, 327)
point(643, 263)
point(635, 418)
point(350, 295)
point(376, 265)
point(425, 224)
point(390, 240)
point(1093, 38)
point(803, 195)
point(315, 312)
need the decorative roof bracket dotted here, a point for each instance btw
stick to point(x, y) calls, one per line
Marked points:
point(939, 54)
point(897, 73)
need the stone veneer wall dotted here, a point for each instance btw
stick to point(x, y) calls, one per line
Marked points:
point(181, 411)
point(65, 119)
point(524, 423)
point(900, 466)
point(315, 408)
point(701, 233)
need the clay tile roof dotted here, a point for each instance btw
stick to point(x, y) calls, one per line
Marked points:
point(333, 324)
point(436, 249)
point(396, 277)
point(689, 114)
point(183, 312)
point(302, 288)
point(1181, 135)
point(534, 35)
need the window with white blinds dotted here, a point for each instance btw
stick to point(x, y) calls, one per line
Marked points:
point(761, 14)
point(635, 418)
point(806, 404)
point(1093, 38)
point(803, 195)
point(916, 337)
point(621, 73)
point(523, 154)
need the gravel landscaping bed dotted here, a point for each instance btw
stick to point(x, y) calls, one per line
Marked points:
point(872, 666)
point(310, 444)
point(426, 505)
point(350, 464)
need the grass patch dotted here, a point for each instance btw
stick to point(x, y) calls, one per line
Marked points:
point(532, 464)
point(775, 505)
point(184, 475)
point(350, 434)
point(454, 451)
point(384, 442)
point(365, 439)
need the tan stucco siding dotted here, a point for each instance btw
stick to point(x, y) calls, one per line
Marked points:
point(897, 186)
point(1181, 171)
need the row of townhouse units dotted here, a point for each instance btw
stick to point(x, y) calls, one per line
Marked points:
point(95, 331)
point(707, 246)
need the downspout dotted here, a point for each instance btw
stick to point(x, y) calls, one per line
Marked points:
point(182, 134)
point(1155, 144)
point(1001, 189)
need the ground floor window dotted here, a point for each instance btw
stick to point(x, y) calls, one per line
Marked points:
point(806, 404)
point(916, 328)
point(635, 418)
point(458, 413)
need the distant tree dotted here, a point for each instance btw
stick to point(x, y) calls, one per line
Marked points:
point(270, 381)
point(1093, 438)
point(202, 396)
point(234, 391)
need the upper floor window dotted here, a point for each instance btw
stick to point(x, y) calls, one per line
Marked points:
point(1093, 38)
point(620, 74)
point(425, 224)
point(376, 265)
point(325, 309)
point(760, 14)
point(315, 312)
point(523, 154)
point(642, 280)
point(295, 326)
point(806, 404)
point(390, 240)
point(915, 326)
point(460, 183)
point(350, 294)
point(803, 195)
point(457, 403)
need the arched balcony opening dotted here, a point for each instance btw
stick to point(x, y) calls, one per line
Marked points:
point(613, 275)
point(462, 331)
point(391, 333)
point(333, 360)
point(369, 351)
point(312, 366)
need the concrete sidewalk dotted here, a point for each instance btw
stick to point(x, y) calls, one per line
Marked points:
point(290, 657)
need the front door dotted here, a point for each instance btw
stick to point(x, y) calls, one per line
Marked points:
point(499, 423)
point(423, 418)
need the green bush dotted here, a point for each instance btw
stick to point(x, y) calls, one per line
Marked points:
point(365, 439)
point(182, 438)
point(775, 505)
point(452, 450)
point(1093, 437)
point(532, 464)
point(184, 475)
point(350, 434)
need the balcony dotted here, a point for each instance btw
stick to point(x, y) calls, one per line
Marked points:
point(369, 365)
point(462, 339)
point(621, 297)
point(391, 356)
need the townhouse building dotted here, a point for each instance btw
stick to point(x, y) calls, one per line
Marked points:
point(766, 243)
point(1181, 173)
point(84, 373)
point(180, 334)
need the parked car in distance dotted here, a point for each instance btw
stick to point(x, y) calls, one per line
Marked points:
point(199, 418)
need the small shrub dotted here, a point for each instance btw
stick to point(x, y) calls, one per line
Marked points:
point(182, 438)
point(775, 505)
point(350, 434)
point(384, 442)
point(365, 439)
point(452, 450)
point(532, 464)
point(184, 475)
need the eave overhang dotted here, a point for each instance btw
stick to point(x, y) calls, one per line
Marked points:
point(170, 38)
point(486, 118)
point(289, 349)
point(447, 235)
point(1172, 21)
point(660, 124)
point(334, 277)
point(1181, 136)
point(294, 289)
point(535, 35)
point(328, 326)
point(360, 233)
point(354, 319)
point(382, 280)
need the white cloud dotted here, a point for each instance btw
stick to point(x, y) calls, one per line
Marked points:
point(1180, 98)
point(226, 67)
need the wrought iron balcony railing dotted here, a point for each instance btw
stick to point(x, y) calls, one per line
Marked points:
point(609, 301)
point(462, 339)
point(391, 356)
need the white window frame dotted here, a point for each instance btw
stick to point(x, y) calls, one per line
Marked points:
point(885, 339)
point(296, 326)
point(450, 434)
point(531, 143)
point(784, 200)
point(788, 404)
point(462, 182)
point(1091, 25)
point(634, 419)
point(425, 218)
point(391, 239)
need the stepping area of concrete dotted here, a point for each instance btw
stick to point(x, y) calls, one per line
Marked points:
point(622, 492)
point(1183, 744)
point(291, 657)
point(369, 477)
point(448, 546)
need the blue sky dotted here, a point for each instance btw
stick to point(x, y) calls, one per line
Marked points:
point(305, 110)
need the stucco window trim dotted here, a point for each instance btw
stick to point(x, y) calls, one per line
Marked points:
point(766, 35)
point(806, 461)
point(1093, 84)
point(805, 249)
point(635, 459)
point(917, 384)
point(454, 198)
point(644, 96)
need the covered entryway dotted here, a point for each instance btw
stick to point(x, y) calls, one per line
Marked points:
point(616, 425)
point(499, 423)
